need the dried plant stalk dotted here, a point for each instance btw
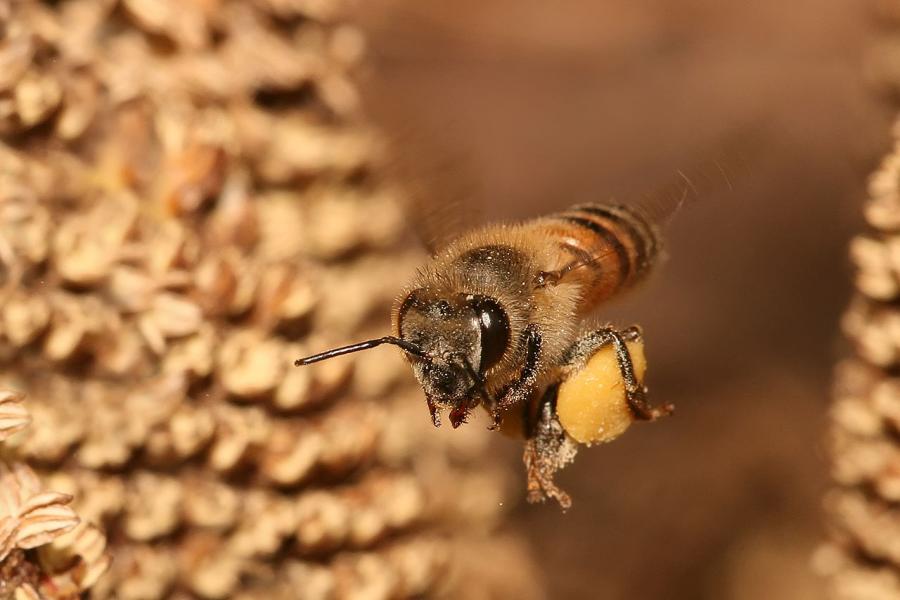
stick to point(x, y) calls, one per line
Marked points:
point(187, 205)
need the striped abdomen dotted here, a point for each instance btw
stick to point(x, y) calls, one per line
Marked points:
point(611, 247)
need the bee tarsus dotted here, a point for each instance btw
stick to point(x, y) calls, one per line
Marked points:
point(547, 450)
point(435, 412)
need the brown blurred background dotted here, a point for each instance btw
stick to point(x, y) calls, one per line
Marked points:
point(545, 104)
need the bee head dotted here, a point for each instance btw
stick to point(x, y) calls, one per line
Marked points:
point(462, 337)
point(451, 341)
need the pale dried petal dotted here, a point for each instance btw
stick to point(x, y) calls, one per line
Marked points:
point(174, 315)
point(182, 21)
point(81, 97)
point(216, 281)
point(131, 289)
point(62, 422)
point(295, 389)
point(43, 500)
point(267, 521)
point(212, 571)
point(42, 525)
point(152, 507)
point(14, 416)
point(124, 354)
point(78, 558)
point(25, 318)
point(68, 330)
point(285, 296)
point(27, 592)
point(323, 522)
point(17, 484)
point(196, 175)
point(36, 97)
point(233, 223)
point(292, 454)
point(192, 428)
point(149, 571)
point(193, 356)
point(239, 432)
point(280, 224)
point(8, 526)
point(90, 544)
point(169, 246)
point(25, 227)
point(15, 57)
point(250, 365)
point(212, 505)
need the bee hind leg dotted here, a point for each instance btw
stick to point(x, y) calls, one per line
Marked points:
point(635, 393)
point(519, 390)
point(547, 450)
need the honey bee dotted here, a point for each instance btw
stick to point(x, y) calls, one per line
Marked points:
point(497, 317)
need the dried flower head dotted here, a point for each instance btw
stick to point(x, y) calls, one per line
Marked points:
point(186, 208)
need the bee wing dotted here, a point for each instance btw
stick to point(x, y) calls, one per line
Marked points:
point(712, 175)
point(439, 186)
point(647, 216)
point(436, 187)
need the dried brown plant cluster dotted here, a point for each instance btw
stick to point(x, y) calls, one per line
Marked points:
point(863, 560)
point(186, 205)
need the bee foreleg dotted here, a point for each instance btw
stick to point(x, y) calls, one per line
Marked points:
point(519, 390)
point(635, 393)
point(547, 450)
point(434, 411)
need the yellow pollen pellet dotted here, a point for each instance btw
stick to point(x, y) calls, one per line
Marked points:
point(591, 404)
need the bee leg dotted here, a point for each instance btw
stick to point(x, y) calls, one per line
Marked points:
point(519, 390)
point(547, 450)
point(435, 412)
point(635, 393)
point(460, 414)
point(493, 408)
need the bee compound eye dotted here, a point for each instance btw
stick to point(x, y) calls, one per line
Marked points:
point(494, 326)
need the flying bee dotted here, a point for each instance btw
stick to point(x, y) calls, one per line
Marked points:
point(497, 318)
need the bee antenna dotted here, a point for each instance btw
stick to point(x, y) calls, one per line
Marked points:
point(406, 346)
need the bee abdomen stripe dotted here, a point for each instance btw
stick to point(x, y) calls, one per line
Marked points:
point(640, 232)
point(608, 237)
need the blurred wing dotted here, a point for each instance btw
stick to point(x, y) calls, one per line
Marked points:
point(644, 220)
point(439, 186)
point(711, 176)
point(436, 187)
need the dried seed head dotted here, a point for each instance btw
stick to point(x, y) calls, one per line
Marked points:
point(163, 259)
